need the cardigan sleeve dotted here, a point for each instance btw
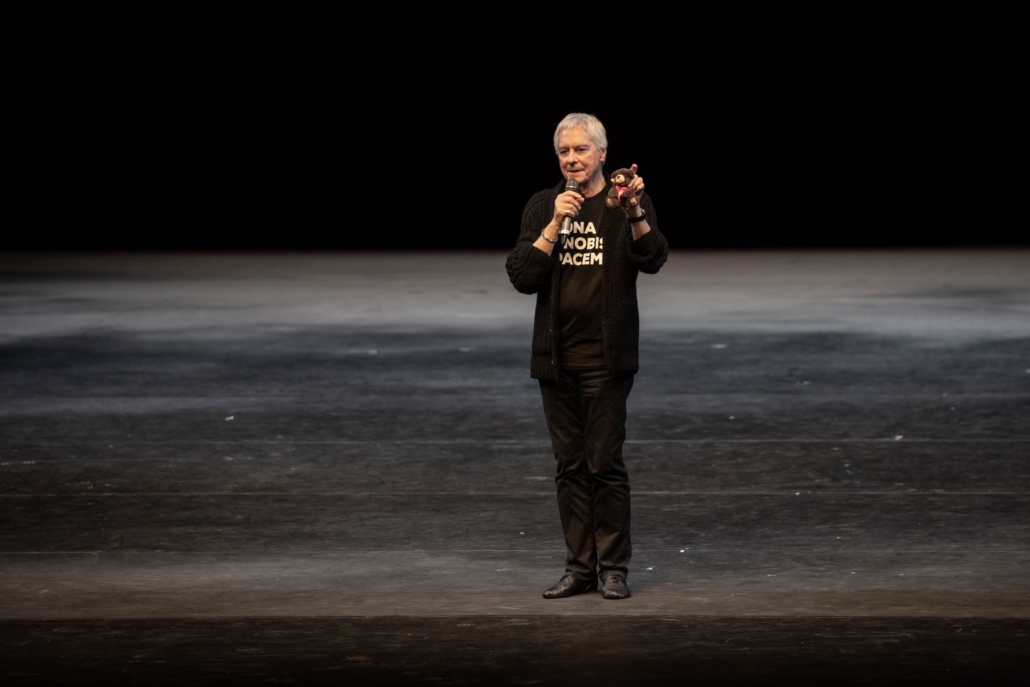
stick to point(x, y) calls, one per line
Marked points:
point(528, 267)
point(650, 251)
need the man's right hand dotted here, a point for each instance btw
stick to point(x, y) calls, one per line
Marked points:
point(567, 204)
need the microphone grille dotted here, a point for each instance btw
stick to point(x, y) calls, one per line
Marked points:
point(572, 185)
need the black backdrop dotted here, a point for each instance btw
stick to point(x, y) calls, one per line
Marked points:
point(753, 126)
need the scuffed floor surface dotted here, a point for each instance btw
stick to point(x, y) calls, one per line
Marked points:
point(228, 469)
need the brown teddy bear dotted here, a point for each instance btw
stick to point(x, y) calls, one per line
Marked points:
point(619, 194)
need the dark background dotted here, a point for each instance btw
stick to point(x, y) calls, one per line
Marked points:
point(754, 126)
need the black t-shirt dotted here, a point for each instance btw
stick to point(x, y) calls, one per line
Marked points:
point(581, 255)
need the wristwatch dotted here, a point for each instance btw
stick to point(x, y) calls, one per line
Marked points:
point(634, 220)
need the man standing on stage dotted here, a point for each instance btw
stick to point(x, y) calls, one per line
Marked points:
point(584, 354)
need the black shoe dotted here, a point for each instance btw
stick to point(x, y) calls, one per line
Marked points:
point(570, 586)
point(614, 587)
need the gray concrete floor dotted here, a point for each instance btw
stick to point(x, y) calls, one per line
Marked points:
point(812, 435)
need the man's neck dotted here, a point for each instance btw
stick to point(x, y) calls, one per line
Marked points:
point(594, 185)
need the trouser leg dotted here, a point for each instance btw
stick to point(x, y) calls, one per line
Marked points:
point(564, 414)
point(603, 396)
point(587, 423)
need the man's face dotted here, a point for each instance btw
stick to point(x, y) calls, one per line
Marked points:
point(579, 158)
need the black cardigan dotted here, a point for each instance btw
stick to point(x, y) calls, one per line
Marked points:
point(533, 271)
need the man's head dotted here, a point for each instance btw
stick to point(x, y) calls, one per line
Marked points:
point(581, 144)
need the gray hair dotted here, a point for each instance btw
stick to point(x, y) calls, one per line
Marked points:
point(591, 124)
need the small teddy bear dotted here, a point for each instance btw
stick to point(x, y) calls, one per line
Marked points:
point(619, 194)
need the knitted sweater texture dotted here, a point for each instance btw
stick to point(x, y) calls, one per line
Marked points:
point(532, 271)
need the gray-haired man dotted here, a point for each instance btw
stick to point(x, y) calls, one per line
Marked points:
point(585, 345)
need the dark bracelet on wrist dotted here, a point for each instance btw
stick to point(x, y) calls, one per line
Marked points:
point(643, 216)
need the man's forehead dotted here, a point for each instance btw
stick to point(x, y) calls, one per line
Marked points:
point(575, 135)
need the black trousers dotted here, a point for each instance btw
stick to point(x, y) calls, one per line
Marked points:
point(587, 422)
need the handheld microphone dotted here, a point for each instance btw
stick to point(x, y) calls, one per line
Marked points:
point(570, 185)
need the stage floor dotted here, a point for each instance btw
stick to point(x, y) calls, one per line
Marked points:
point(324, 467)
